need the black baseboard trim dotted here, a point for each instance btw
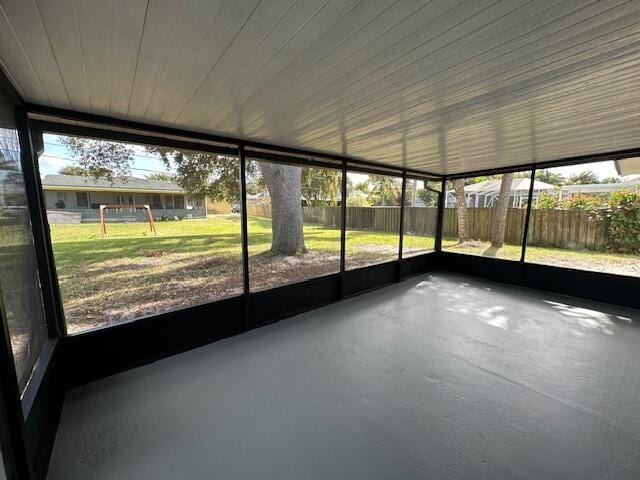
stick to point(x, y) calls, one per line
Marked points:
point(601, 287)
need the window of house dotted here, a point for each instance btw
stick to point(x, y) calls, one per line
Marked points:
point(587, 217)
point(373, 219)
point(21, 304)
point(168, 202)
point(82, 199)
point(132, 272)
point(420, 217)
point(294, 223)
point(485, 215)
point(179, 201)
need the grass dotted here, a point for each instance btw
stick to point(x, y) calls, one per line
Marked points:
point(131, 273)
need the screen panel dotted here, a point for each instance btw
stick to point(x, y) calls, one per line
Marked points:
point(373, 219)
point(485, 215)
point(139, 229)
point(420, 217)
point(19, 277)
point(588, 218)
point(294, 223)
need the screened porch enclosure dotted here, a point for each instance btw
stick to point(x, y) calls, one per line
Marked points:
point(341, 239)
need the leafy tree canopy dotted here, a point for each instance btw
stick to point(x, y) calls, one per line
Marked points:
point(550, 177)
point(583, 178)
point(209, 174)
point(162, 177)
point(384, 190)
point(78, 171)
point(320, 186)
point(611, 180)
point(99, 158)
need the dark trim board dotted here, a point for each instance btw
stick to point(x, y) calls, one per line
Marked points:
point(271, 305)
point(99, 353)
point(602, 287)
point(496, 269)
point(368, 278)
point(41, 425)
point(418, 264)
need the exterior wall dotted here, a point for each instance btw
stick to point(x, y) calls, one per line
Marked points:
point(167, 201)
point(51, 198)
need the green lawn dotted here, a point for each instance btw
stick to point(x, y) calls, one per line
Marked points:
point(131, 272)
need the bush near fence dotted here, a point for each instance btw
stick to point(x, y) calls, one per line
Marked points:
point(549, 227)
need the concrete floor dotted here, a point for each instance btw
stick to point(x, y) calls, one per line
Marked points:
point(439, 377)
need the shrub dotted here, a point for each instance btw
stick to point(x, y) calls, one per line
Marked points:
point(547, 201)
point(624, 227)
point(357, 202)
point(580, 201)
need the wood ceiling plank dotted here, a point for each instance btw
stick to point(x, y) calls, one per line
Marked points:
point(60, 21)
point(356, 23)
point(194, 25)
point(228, 22)
point(95, 27)
point(507, 72)
point(26, 24)
point(126, 41)
point(16, 64)
point(264, 18)
point(160, 34)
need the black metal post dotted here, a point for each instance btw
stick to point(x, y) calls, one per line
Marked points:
point(243, 220)
point(403, 195)
point(29, 152)
point(343, 226)
point(527, 218)
point(440, 218)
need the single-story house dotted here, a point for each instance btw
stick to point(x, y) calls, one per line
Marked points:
point(71, 199)
point(486, 193)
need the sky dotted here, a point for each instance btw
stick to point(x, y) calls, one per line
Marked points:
point(56, 156)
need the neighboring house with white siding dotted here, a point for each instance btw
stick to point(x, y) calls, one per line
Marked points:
point(76, 198)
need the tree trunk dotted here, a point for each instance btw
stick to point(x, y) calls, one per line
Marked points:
point(461, 208)
point(284, 186)
point(500, 219)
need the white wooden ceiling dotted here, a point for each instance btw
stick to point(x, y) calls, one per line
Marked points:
point(445, 86)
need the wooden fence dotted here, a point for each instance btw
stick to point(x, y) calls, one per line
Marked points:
point(558, 228)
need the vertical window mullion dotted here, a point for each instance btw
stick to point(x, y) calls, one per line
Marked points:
point(527, 217)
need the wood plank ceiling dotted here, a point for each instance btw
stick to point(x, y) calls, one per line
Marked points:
point(445, 86)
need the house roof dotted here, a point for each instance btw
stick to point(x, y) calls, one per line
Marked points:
point(518, 185)
point(129, 184)
point(628, 166)
point(600, 187)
